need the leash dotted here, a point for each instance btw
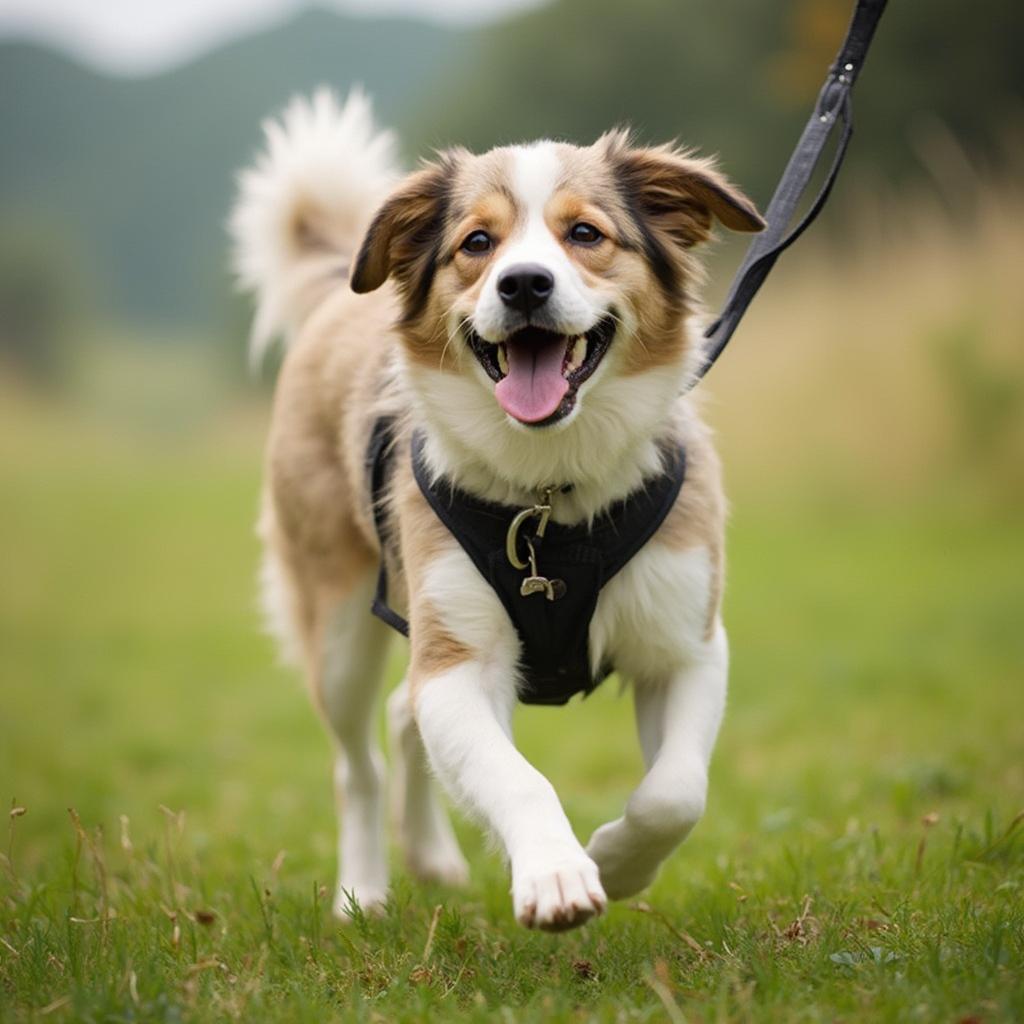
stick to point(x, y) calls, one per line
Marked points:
point(833, 108)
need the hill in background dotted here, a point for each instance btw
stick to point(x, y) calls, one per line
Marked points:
point(134, 176)
point(138, 173)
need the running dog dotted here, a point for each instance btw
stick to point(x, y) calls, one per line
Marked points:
point(485, 395)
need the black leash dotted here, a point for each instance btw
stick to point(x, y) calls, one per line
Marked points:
point(834, 107)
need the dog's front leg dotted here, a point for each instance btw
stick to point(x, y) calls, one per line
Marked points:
point(678, 722)
point(464, 714)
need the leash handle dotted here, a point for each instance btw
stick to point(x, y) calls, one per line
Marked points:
point(834, 108)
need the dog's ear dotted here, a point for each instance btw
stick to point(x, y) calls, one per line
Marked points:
point(676, 193)
point(404, 238)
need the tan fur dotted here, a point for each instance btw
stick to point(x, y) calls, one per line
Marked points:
point(423, 538)
point(432, 650)
point(697, 519)
point(315, 519)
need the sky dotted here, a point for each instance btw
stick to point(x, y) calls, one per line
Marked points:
point(144, 36)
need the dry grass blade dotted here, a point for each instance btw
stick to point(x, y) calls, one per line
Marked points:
point(657, 981)
point(429, 945)
point(54, 1006)
point(684, 937)
point(95, 849)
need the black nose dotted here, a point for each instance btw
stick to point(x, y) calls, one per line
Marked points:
point(525, 287)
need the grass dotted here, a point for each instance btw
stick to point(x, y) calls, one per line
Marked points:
point(862, 857)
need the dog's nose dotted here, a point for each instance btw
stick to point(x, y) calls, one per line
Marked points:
point(525, 287)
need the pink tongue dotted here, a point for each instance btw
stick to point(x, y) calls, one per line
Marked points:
point(534, 386)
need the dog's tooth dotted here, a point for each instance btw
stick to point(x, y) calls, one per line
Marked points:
point(503, 360)
point(579, 353)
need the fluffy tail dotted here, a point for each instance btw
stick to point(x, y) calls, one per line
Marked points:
point(301, 210)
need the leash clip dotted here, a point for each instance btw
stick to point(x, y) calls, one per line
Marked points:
point(533, 583)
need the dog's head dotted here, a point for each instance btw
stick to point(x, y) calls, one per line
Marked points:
point(546, 276)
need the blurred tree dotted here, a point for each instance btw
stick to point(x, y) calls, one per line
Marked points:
point(735, 77)
point(43, 300)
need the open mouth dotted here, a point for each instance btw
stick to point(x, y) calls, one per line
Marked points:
point(537, 372)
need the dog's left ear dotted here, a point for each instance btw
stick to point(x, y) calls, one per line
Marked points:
point(404, 237)
point(677, 193)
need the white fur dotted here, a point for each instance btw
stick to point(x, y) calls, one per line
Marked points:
point(277, 602)
point(431, 850)
point(325, 166)
point(473, 614)
point(473, 441)
point(353, 650)
point(465, 720)
point(678, 722)
point(651, 617)
point(573, 307)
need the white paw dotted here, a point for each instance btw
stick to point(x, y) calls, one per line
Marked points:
point(557, 894)
point(626, 867)
point(370, 901)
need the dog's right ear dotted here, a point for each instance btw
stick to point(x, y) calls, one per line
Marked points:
point(404, 238)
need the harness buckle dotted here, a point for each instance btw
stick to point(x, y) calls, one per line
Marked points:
point(534, 583)
point(540, 511)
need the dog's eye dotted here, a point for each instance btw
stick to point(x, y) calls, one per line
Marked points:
point(585, 234)
point(476, 243)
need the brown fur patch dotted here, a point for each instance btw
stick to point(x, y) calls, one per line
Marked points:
point(679, 194)
point(433, 649)
point(405, 237)
point(494, 213)
point(660, 340)
point(423, 538)
point(698, 517)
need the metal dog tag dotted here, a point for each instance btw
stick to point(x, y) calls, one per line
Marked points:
point(536, 585)
point(551, 589)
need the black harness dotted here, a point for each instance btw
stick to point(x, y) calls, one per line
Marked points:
point(551, 612)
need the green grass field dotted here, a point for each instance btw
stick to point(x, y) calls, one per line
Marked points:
point(862, 857)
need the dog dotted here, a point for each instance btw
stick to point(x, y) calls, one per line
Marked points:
point(526, 323)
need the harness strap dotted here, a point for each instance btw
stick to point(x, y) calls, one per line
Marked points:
point(377, 462)
point(834, 107)
point(619, 532)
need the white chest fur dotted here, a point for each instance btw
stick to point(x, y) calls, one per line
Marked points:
point(650, 622)
point(651, 618)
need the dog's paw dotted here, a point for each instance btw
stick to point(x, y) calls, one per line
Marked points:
point(556, 895)
point(350, 902)
point(624, 869)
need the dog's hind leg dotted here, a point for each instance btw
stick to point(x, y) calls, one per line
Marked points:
point(347, 672)
point(431, 850)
